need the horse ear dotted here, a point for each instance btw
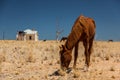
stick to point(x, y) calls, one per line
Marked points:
point(64, 48)
point(61, 48)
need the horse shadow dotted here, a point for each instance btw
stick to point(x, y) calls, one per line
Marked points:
point(69, 70)
point(56, 73)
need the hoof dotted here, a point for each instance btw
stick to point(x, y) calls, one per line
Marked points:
point(85, 68)
point(68, 70)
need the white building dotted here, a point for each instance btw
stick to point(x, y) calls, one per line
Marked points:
point(27, 35)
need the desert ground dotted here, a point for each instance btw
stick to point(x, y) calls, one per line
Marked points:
point(39, 60)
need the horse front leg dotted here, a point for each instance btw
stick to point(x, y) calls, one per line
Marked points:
point(75, 55)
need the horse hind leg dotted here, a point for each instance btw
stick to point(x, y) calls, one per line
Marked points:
point(90, 47)
point(86, 46)
point(88, 51)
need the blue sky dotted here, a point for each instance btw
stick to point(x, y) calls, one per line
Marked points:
point(46, 16)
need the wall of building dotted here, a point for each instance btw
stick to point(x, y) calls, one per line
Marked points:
point(30, 37)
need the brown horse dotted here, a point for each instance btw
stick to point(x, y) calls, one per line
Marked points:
point(82, 30)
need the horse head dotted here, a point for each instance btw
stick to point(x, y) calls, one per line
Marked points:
point(65, 57)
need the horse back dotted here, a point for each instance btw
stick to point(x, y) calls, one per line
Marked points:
point(88, 26)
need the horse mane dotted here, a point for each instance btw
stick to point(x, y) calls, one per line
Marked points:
point(73, 36)
point(79, 28)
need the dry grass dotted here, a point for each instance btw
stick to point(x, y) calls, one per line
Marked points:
point(29, 60)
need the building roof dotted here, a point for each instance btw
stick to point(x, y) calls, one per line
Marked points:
point(29, 31)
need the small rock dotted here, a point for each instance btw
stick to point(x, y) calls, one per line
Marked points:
point(61, 72)
point(76, 74)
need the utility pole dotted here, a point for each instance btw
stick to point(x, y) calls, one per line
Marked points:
point(57, 25)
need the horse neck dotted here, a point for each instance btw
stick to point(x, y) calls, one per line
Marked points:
point(75, 35)
point(70, 43)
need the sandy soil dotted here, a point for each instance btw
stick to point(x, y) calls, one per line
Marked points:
point(29, 60)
